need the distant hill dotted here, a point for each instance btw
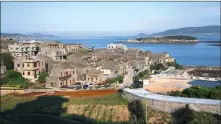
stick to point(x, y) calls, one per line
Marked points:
point(141, 35)
point(42, 35)
point(204, 30)
point(11, 34)
point(17, 36)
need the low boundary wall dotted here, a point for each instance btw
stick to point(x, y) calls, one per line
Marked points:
point(170, 104)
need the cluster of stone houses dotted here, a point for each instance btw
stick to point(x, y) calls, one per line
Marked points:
point(68, 64)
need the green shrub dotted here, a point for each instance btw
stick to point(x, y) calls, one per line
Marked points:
point(12, 77)
point(42, 77)
point(199, 92)
point(7, 59)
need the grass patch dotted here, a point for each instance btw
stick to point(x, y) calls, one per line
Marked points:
point(112, 99)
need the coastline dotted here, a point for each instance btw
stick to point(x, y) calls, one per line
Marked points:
point(158, 42)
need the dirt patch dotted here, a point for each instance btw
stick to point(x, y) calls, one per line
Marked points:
point(84, 93)
point(159, 85)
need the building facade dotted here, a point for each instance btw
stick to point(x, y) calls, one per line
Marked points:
point(158, 58)
point(74, 47)
point(56, 52)
point(30, 67)
point(94, 76)
point(61, 77)
point(23, 49)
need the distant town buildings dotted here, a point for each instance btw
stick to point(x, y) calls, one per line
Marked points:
point(68, 64)
point(116, 46)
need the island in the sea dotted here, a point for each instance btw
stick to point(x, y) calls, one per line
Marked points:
point(165, 39)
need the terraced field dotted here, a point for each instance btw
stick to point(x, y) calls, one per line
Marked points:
point(95, 106)
point(114, 113)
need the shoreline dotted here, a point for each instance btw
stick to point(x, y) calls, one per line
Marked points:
point(157, 43)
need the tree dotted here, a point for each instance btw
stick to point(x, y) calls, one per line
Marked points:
point(42, 77)
point(7, 60)
point(12, 77)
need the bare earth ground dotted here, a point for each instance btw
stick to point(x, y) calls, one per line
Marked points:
point(160, 85)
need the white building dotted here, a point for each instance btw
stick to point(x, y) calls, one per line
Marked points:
point(116, 46)
point(22, 49)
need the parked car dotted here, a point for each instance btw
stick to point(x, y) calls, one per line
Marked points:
point(85, 86)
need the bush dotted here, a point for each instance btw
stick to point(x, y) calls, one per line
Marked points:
point(141, 75)
point(113, 80)
point(199, 92)
point(157, 66)
point(7, 59)
point(187, 116)
point(175, 64)
point(12, 77)
point(136, 108)
point(42, 77)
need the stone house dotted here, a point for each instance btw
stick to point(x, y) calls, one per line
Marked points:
point(56, 53)
point(52, 45)
point(94, 76)
point(74, 47)
point(61, 76)
point(158, 58)
point(23, 49)
point(30, 67)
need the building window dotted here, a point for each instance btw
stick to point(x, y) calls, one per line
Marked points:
point(73, 72)
point(42, 63)
point(61, 74)
point(23, 73)
point(88, 78)
point(28, 65)
point(23, 65)
point(18, 65)
point(35, 64)
point(61, 84)
point(28, 73)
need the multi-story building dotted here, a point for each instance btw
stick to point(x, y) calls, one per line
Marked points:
point(61, 76)
point(54, 50)
point(23, 49)
point(74, 47)
point(94, 76)
point(30, 67)
point(158, 58)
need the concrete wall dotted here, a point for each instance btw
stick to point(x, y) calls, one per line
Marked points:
point(170, 107)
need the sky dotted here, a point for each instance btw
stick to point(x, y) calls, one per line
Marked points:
point(105, 18)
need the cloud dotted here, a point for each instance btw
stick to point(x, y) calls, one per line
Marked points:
point(212, 10)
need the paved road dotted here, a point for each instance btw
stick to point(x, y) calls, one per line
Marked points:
point(128, 79)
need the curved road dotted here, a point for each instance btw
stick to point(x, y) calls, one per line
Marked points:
point(128, 79)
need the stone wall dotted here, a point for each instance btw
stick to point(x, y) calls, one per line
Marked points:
point(171, 106)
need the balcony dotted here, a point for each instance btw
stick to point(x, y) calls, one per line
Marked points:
point(65, 77)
